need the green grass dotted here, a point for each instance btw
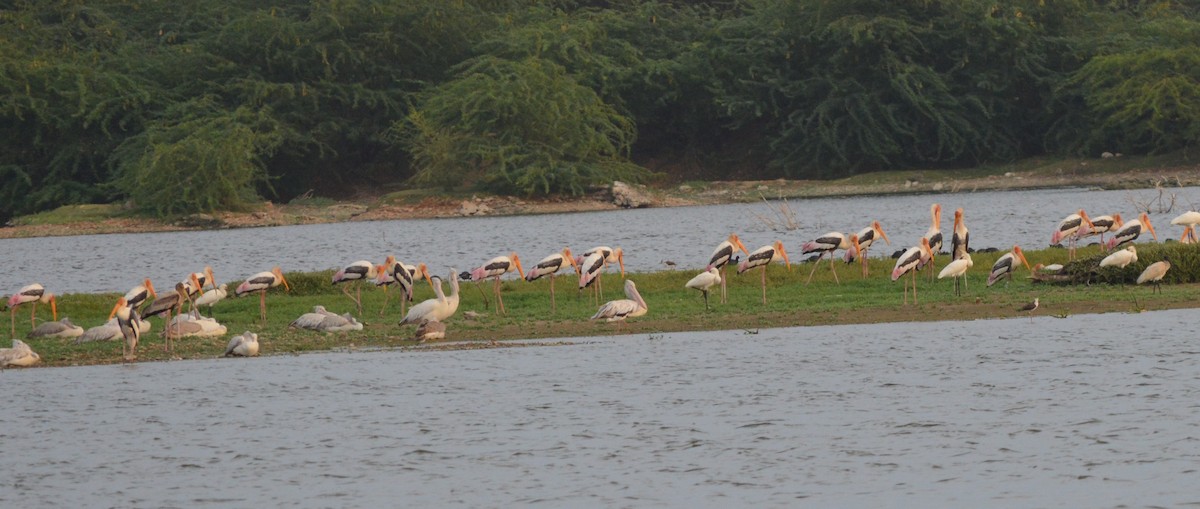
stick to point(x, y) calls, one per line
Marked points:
point(72, 214)
point(672, 307)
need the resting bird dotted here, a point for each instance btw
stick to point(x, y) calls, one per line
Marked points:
point(429, 330)
point(191, 324)
point(242, 345)
point(60, 329)
point(19, 355)
point(619, 310)
point(109, 331)
point(323, 321)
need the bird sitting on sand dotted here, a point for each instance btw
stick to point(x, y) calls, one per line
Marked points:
point(430, 330)
point(242, 345)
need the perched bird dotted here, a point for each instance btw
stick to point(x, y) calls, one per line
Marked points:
point(60, 329)
point(131, 329)
point(549, 266)
point(430, 330)
point(703, 281)
point(1131, 231)
point(242, 345)
point(260, 283)
point(495, 268)
point(20, 355)
point(34, 293)
point(866, 238)
point(1029, 308)
point(1120, 259)
point(961, 238)
point(825, 245)
point(618, 310)
point(1154, 273)
point(762, 257)
point(212, 297)
point(1005, 265)
point(722, 255)
point(356, 272)
point(1068, 230)
point(957, 269)
point(909, 262)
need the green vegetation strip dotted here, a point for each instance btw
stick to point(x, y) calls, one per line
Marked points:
point(672, 307)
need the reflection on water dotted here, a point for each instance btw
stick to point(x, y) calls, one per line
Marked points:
point(1090, 411)
point(685, 235)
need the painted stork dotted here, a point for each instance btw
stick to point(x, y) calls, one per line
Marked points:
point(960, 238)
point(721, 257)
point(609, 256)
point(1155, 272)
point(260, 283)
point(825, 245)
point(131, 328)
point(703, 281)
point(356, 272)
point(138, 294)
point(934, 234)
point(167, 305)
point(1099, 225)
point(1131, 231)
point(34, 293)
point(1005, 265)
point(866, 238)
point(549, 266)
point(762, 257)
point(957, 269)
point(1120, 259)
point(242, 345)
point(1068, 230)
point(495, 268)
point(618, 310)
point(909, 262)
point(395, 272)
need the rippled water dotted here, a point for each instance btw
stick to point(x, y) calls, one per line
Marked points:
point(1090, 411)
point(685, 235)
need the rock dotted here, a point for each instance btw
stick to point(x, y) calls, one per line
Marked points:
point(624, 195)
point(1107, 155)
point(938, 186)
point(199, 221)
point(685, 188)
point(472, 208)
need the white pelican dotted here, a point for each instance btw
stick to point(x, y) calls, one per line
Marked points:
point(549, 266)
point(703, 281)
point(762, 257)
point(60, 329)
point(211, 297)
point(1030, 308)
point(961, 238)
point(138, 294)
point(1068, 230)
point(825, 245)
point(1005, 265)
point(1120, 259)
point(721, 257)
point(495, 268)
point(321, 320)
point(109, 331)
point(866, 238)
point(1131, 230)
point(1155, 272)
point(131, 329)
point(34, 293)
point(618, 310)
point(192, 324)
point(1099, 225)
point(19, 355)
point(957, 269)
point(430, 330)
point(356, 272)
point(242, 345)
point(438, 308)
point(909, 262)
point(168, 305)
point(260, 283)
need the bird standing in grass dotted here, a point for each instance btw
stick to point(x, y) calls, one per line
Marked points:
point(34, 293)
point(703, 281)
point(260, 283)
point(761, 258)
point(1154, 273)
point(957, 269)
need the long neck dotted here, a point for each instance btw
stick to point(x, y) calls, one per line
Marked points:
point(454, 287)
point(437, 289)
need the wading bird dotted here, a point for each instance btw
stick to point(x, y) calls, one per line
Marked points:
point(703, 281)
point(495, 268)
point(260, 283)
point(242, 345)
point(762, 257)
point(34, 293)
point(1189, 235)
point(957, 269)
point(721, 257)
point(618, 310)
point(1131, 231)
point(934, 233)
point(167, 305)
point(1120, 259)
point(866, 238)
point(1099, 225)
point(1030, 308)
point(960, 238)
point(909, 262)
point(211, 297)
point(1068, 230)
point(1154, 273)
point(138, 294)
point(131, 328)
point(397, 273)
point(1005, 265)
point(549, 266)
point(356, 272)
point(608, 256)
point(825, 245)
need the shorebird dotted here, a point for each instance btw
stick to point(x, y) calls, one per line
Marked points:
point(1029, 308)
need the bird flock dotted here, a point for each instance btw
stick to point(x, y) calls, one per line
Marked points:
point(128, 320)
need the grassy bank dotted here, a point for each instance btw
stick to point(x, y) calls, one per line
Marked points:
point(671, 306)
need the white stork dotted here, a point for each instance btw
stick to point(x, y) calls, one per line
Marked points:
point(260, 283)
point(722, 255)
point(762, 257)
point(549, 266)
point(495, 268)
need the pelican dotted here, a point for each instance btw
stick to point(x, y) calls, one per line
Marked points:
point(1154, 273)
point(495, 268)
point(961, 237)
point(866, 238)
point(138, 294)
point(242, 345)
point(323, 321)
point(1068, 230)
point(166, 305)
point(1120, 259)
point(430, 330)
point(618, 310)
point(549, 266)
point(400, 274)
point(260, 283)
point(762, 257)
point(1099, 225)
point(957, 269)
point(1131, 230)
point(19, 355)
point(909, 262)
point(825, 245)
point(109, 331)
point(722, 255)
point(1005, 265)
point(609, 256)
point(194, 325)
point(60, 329)
point(439, 308)
point(34, 293)
point(131, 328)
point(357, 272)
point(211, 297)
point(703, 281)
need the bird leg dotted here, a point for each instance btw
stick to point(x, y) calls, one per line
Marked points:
point(262, 306)
point(862, 258)
point(764, 284)
point(33, 316)
point(486, 303)
point(386, 297)
point(12, 313)
point(833, 268)
point(724, 295)
point(705, 293)
point(358, 296)
point(167, 332)
point(553, 307)
point(815, 265)
point(499, 299)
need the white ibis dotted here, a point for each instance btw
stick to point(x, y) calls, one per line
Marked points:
point(34, 293)
point(1030, 308)
point(242, 345)
point(721, 257)
point(866, 238)
point(549, 266)
point(20, 355)
point(260, 283)
point(167, 305)
point(1120, 259)
point(1099, 225)
point(960, 238)
point(1131, 230)
point(211, 297)
point(131, 328)
point(1154, 273)
point(495, 268)
point(609, 256)
point(618, 310)
point(909, 262)
point(957, 269)
point(356, 272)
point(1068, 230)
point(825, 245)
point(762, 257)
point(138, 294)
point(703, 281)
point(1006, 265)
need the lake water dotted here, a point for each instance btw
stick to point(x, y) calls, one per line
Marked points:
point(1089, 411)
point(685, 235)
